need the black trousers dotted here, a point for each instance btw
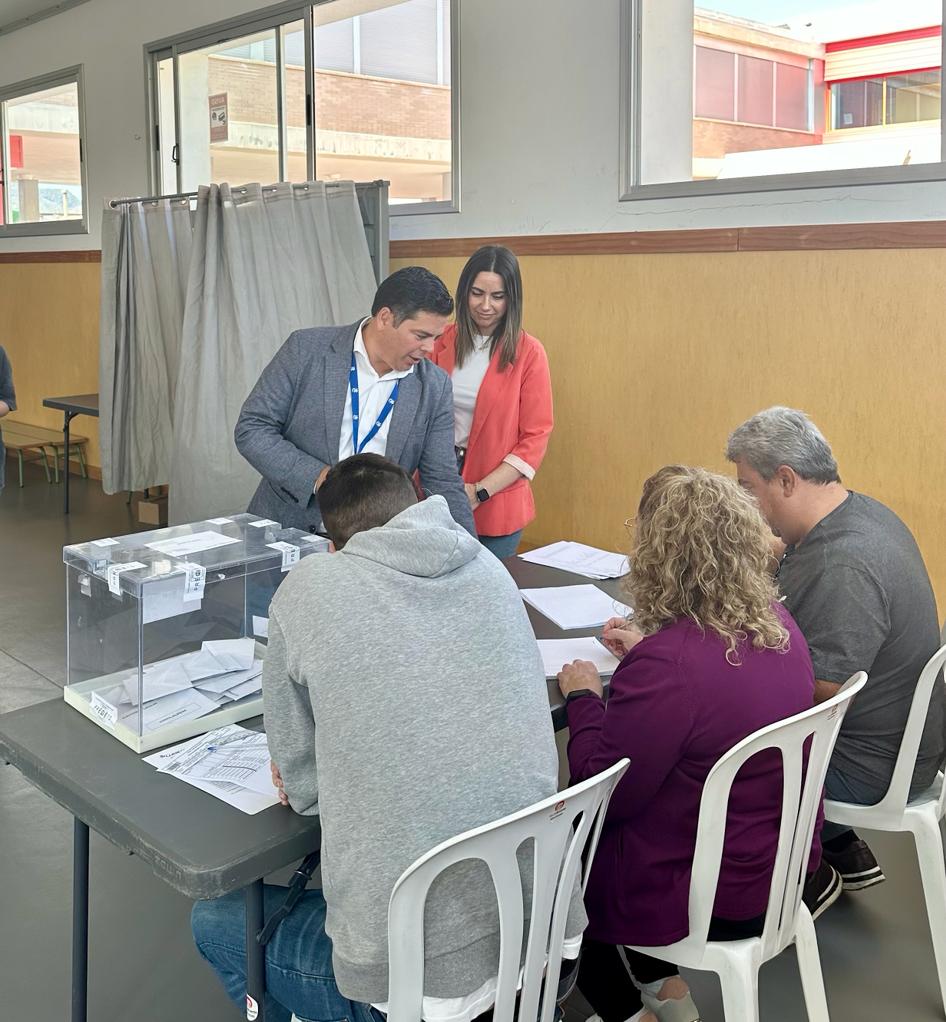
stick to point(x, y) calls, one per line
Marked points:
point(606, 984)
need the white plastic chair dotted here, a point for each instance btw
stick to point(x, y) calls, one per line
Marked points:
point(921, 816)
point(787, 919)
point(561, 827)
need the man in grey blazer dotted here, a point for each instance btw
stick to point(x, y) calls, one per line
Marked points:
point(331, 392)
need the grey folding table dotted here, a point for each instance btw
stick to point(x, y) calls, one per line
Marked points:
point(71, 406)
point(194, 842)
point(197, 844)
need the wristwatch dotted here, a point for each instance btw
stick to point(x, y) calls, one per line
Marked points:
point(482, 494)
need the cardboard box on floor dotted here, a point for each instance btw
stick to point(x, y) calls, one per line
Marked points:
point(153, 511)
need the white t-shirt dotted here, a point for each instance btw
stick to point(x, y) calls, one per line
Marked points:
point(373, 392)
point(465, 1009)
point(467, 380)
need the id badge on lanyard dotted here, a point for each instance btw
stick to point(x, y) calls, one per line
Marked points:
point(379, 422)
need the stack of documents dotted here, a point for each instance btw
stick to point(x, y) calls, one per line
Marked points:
point(187, 686)
point(558, 652)
point(231, 764)
point(575, 606)
point(579, 558)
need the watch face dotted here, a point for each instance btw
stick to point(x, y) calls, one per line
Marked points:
point(482, 495)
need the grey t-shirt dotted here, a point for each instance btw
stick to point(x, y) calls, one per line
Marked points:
point(858, 588)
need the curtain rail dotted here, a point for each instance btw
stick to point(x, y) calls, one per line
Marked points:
point(180, 196)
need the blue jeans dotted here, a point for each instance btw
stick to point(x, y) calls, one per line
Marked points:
point(502, 546)
point(299, 975)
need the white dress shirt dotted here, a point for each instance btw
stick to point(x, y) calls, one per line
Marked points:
point(467, 380)
point(373, 392)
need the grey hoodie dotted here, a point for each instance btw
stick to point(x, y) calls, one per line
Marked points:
point(406, 702)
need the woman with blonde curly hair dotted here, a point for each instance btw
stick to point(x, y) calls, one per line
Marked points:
point(712, 657)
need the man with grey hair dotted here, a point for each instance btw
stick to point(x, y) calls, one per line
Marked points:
point(853, 578)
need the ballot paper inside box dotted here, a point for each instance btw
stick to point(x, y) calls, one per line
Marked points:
point(166, 630)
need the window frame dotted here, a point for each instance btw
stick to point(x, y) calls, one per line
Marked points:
point(632, 189)
point(271, 19)
point(21, 90)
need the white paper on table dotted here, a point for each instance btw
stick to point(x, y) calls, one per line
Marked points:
point(558, 652)
point(182, 546)
point(250, 802)
point(575, 606)
point(579, 558)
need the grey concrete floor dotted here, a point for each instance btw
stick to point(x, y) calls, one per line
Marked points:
point(875, 947)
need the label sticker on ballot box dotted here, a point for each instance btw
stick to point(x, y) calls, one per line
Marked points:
point(113, 576)
point(195, 578)
point(103, 710)
point(290, 554)
point(220, 521)
point(104, 542)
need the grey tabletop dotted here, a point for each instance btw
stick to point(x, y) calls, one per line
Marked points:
point(197, 844)
point(79, 404)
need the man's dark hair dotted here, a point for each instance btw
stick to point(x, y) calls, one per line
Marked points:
point(363, 492)
point(411, 290)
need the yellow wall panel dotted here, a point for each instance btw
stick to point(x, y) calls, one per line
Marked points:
point(656, 358)
point(51, 333)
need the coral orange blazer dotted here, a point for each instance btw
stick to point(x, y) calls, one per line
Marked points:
point(512, 422)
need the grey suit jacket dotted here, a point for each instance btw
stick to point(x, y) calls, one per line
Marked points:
point(290, 425)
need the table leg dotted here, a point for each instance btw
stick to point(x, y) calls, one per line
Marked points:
point(80, 921)
point(67, 418)
point(255, 954)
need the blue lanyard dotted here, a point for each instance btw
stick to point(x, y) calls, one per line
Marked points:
point(379, 422)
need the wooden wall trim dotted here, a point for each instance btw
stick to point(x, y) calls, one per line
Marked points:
point(903, 234)
point(916, 234)
point(89, 255)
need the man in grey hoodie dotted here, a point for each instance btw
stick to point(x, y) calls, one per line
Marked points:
point(405, 702)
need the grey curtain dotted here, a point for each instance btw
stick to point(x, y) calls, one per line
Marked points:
point(146, 251)
point(264, 262)
point(194, 305)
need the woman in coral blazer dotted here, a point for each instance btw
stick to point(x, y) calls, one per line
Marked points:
point(502, 397)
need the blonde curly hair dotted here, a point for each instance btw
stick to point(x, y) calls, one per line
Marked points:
point(701, 550)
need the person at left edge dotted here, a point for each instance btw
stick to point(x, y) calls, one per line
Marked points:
point(331, 392)
point(8, 402)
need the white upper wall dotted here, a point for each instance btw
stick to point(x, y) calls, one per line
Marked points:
point(539, 124)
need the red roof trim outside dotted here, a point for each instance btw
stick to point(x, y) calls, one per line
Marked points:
point(886, 74)
point(882, 40)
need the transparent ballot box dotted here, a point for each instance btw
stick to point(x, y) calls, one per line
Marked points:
point(166, 630)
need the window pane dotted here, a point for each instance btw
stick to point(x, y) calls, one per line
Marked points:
point(754, 97)
point(400, 42)
point(715, 84)
point(391, 117)
point(44, 166)
point(791, 97)
point(164, 97)
point(293, 42)
point(913, 97)
point(335, 46)
point(228, 129)
point(857, 104)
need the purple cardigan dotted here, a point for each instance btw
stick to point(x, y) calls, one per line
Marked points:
point(675, 706)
